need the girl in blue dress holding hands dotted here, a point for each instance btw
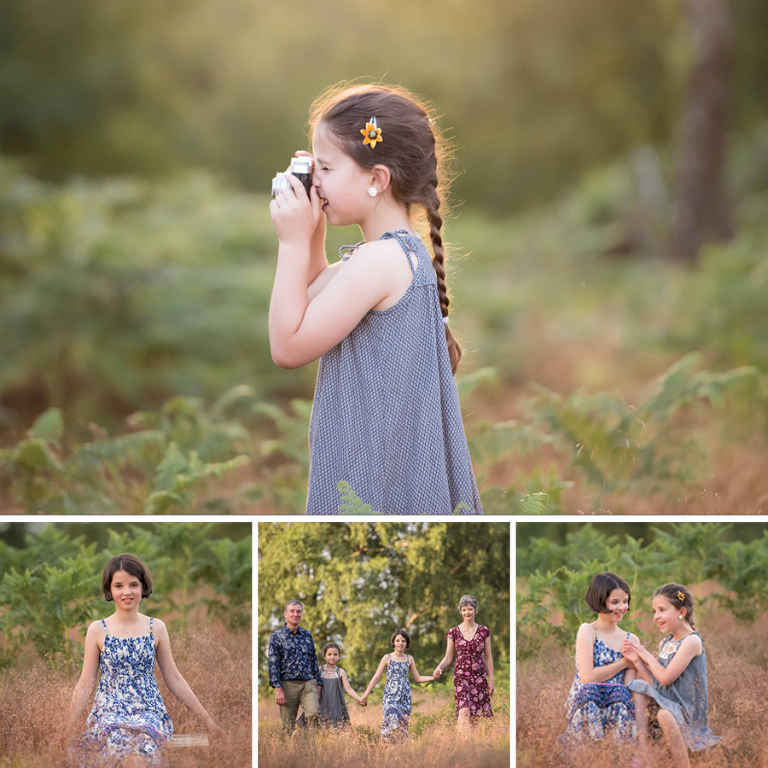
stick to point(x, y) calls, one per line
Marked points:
point(129, 725)
point(599, 705)
point(397, 691)
point(386, 420)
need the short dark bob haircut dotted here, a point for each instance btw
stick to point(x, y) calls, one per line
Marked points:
point(130, 564)
point(404, 634)
point(601, 587)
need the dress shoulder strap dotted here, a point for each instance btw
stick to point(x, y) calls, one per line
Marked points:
point(151, 629)
point(346, 251)
point(401, 236)
point(105, 627)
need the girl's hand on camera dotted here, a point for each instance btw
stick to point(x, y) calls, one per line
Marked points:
point(294, 215)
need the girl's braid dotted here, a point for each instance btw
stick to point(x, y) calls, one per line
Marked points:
point(432, 208)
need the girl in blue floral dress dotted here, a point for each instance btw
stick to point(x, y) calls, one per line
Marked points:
point(599, 705)
point(397, 691)
point(129, 725)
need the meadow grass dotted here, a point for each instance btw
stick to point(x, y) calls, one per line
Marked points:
point(434, 741)
point(737, 669)
point(214, 661)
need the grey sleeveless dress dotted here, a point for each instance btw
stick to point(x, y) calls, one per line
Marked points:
point(686, 697)
point(386, 421)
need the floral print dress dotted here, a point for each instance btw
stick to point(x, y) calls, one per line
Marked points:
point(128, 715)
point(469, 681)
point(597, 711)
point(397, 700)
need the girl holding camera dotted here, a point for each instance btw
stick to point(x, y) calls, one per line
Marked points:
point(386, 421)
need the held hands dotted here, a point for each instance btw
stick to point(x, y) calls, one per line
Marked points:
point(633, 651)
point(362, 701)
point(436, 674)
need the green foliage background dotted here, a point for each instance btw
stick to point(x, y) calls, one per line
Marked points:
point(137, 256)
point(536, 93)
point(135, 312)
point(725, 565)
point(361, 581)
point(51, 584)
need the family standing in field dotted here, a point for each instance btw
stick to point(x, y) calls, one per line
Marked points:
point(386, 421)
point(621, 688)
point(129, 725)
point(298, 679)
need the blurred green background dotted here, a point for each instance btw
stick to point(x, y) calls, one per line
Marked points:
point(136, 252)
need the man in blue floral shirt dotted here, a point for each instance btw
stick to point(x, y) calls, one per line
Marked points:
point(293, 670)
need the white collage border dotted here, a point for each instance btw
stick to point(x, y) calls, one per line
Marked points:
point(268, 518)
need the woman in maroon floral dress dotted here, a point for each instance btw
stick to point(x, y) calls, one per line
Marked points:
point(472, 645)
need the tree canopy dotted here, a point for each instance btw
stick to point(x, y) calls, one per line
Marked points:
point(361, 581)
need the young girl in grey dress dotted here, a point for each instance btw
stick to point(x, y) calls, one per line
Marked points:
point(677, 681)
point(386, 421)
point(333, 708)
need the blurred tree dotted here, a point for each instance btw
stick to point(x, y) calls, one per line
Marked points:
point(701, 206)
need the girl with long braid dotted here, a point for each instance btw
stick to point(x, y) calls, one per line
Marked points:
point(386, 421)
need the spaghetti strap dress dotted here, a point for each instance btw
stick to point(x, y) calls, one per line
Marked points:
point(333, 708)
point(469, 681)
point(128, 715)
point(397, 700)
point(600, 711)
point(686, 697)
point(386, 426)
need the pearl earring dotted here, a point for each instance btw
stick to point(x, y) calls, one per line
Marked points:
point(680, 616)
point(372, 191)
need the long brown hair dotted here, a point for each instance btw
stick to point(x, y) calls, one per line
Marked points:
point(414, 150)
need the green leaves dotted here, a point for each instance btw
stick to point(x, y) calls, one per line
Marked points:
point(556, 576)
point(49, 595)
point(360, 581)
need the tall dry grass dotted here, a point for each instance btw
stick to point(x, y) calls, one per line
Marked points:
point(216, 663)
point(433, 742)
point(737, 669)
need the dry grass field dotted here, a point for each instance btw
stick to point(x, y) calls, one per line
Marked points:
point(433, 743)
point(737, 668)
point(214, 661)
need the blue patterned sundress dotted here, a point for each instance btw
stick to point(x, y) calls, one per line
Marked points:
point(128, 715)
point(597, 711)
point(397, 700)
point(386, 420)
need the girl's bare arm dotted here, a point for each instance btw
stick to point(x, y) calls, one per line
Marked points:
point(86, 685)
point(416, 676)
point(348, 688)
point(689, 648)
point(177, 685)
point(588, 672)
point(383, 664)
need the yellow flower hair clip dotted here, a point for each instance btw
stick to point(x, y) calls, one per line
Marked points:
point(372, 133)
point(681, 596)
